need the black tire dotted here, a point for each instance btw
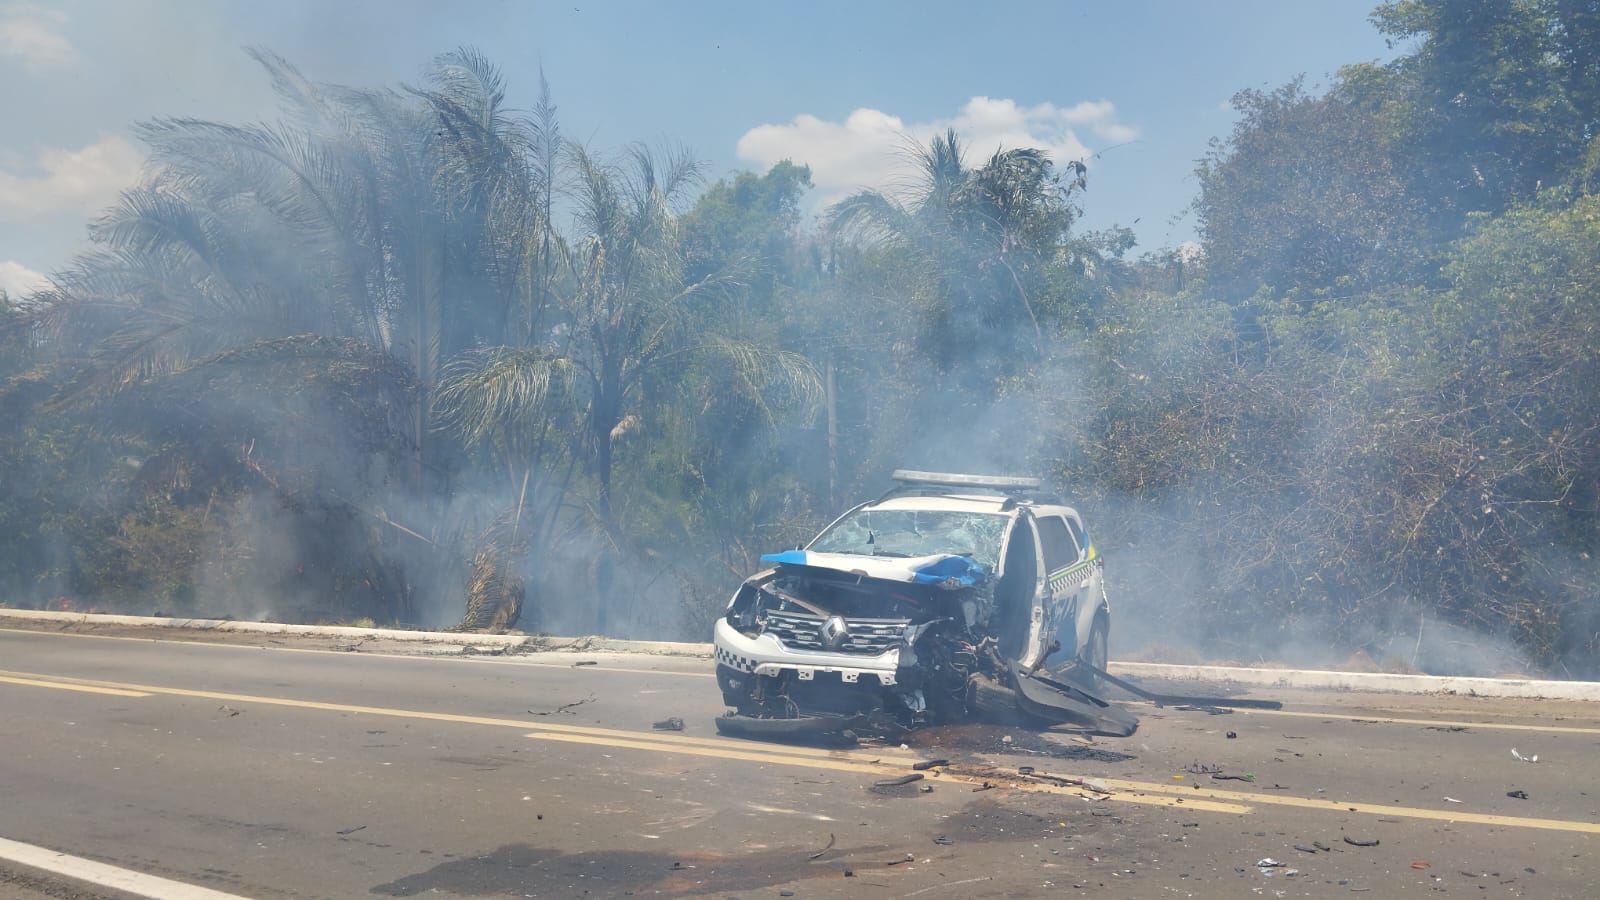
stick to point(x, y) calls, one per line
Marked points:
point(995, 704)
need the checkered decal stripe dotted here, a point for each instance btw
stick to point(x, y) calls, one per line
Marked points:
point(1075, 576)
point(735, 661)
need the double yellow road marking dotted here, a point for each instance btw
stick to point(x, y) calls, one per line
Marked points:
point(882, 764)
point(85, 688)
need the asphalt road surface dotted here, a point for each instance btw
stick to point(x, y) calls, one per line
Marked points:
point(266, 767)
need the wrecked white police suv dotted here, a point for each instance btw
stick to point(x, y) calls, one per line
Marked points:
point(938, 602)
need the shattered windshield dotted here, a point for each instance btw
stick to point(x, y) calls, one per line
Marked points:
point(916, 532)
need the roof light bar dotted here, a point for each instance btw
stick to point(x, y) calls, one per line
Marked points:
point(951, 479)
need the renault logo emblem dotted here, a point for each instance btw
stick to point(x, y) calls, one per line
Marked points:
point(834, 632)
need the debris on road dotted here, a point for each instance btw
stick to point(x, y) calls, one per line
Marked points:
point(1355, 842)
point(898, 782)
point(838, 729)
point(1065, 781)
point(1304, 849)
point(1208, 710)
point(930, 763)
point(670, 724)
point(587, 662)
point(1517, 795)
point(943, 841)
point(1419, 864)
point(350, 830)
point(818, 854)
point(1246, 777)
point(904, 859)
point(1232, 735)
point(564, 708)
point(1529, 759)
point(1270, 863)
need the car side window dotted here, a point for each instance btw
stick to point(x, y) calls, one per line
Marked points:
point(1060, 550)
point(1078, 535)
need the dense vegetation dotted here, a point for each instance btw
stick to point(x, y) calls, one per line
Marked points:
point(404, 355)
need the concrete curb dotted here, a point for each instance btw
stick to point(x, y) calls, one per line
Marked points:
point(531, 642)
point(1366, 682)
point(1307, 679)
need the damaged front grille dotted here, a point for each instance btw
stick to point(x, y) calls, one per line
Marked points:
point(835, 633)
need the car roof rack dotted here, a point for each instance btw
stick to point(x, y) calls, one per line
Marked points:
point(1015, 488)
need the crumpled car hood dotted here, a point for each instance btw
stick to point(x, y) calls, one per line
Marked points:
point(939, 568)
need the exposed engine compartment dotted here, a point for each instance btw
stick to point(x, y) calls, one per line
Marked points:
point(934, 628)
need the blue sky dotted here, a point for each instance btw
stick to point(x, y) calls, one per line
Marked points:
point(1140, 87)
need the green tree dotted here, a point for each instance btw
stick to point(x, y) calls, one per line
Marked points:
point(1304, 197)
point(747, 223)
point(1494, 101)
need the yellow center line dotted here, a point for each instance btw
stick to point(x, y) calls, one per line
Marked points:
point(1436, 723)
point(62, 686)
point(665, 739)
point(888, 763)
point(1399, 812)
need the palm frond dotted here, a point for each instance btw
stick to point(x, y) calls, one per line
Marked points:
point(871, 216)
point(306, 101)
point(773, 380)
point(495, 392)
point(467, 79)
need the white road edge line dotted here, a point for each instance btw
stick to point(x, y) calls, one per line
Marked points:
point(127, 881)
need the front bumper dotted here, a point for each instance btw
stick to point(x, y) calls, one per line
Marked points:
point(764, 654)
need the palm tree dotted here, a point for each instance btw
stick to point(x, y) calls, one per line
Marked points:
point(631, 320)
point(981, 238)
point(409, 222)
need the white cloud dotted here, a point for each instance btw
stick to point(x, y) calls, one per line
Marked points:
point(869, 148)
point(17, 279)
point(33, 35)
point(84, 179)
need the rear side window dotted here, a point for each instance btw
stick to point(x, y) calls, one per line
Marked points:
point(1078, 534)
point(1060, 549)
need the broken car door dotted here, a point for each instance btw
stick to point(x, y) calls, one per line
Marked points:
point(1020, 595)
point(1065, 587)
